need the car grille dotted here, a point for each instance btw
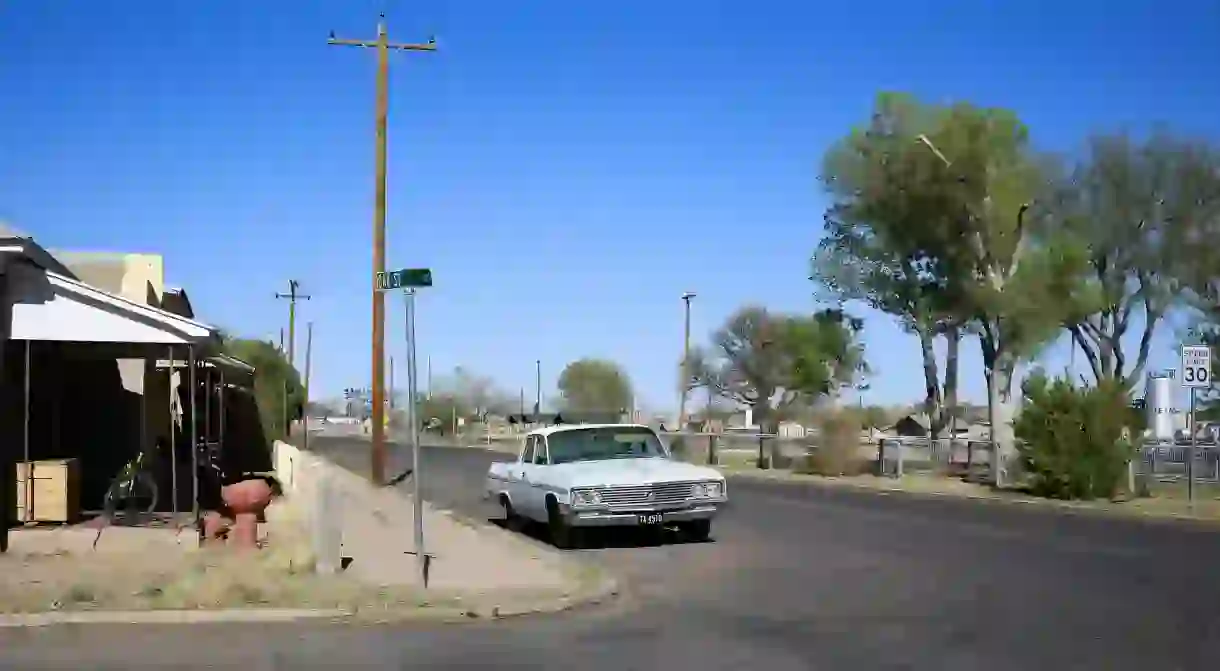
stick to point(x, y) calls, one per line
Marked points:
point(646, 495)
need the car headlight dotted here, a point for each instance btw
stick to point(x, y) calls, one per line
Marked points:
point(586, 497)
point(709, 490)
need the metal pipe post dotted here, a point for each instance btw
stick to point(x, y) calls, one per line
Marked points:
point(421, 556)
point(173, 442)
point(308, 366)
point(28, 494)
point(190, 376)
point(1190, 459)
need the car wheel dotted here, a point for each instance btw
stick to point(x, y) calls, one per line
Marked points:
point(563, 536)
point(698, 530)
point(512, 521)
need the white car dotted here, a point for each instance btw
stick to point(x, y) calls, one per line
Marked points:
point(572, 477)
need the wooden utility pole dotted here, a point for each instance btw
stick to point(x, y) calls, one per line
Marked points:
point(292, 296)
point(383, 46)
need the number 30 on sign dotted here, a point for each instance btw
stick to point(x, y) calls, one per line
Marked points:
point(1196, 366)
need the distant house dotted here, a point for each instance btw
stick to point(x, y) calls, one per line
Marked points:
point(915, 425)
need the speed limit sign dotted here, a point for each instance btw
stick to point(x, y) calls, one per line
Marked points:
point(1196, 366)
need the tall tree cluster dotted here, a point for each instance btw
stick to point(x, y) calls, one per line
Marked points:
point(949, 219)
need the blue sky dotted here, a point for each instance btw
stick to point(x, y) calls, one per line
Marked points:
point(568, 169)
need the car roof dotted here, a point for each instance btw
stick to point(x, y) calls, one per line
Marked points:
point(560, 428)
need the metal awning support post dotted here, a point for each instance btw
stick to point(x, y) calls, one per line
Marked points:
point(173, 442)
point(27, 495)
point(207, 406)
point(220, 435)
point(190, 362)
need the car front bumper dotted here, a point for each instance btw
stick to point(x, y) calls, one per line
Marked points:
point(607, 517)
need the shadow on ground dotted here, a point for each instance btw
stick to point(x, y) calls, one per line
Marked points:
point(605, 538)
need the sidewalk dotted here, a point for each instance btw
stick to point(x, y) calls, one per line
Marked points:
point(378, 537)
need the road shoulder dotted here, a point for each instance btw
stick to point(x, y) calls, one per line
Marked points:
point(1204, 511)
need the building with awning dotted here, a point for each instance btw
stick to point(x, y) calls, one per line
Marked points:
point(83, 336)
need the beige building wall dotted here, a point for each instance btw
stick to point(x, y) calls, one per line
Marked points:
point(139, 278)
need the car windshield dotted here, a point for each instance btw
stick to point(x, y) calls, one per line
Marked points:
point(610, 442)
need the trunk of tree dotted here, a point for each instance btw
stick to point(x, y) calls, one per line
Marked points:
point(953, 338)
point(931, 378)
point(999, 367)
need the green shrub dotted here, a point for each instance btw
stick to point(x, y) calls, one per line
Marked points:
point(838, 450)
point(1071, 439)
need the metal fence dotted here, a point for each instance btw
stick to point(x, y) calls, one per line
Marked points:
point(894, 457)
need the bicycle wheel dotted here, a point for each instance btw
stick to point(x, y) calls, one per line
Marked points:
point(143, 493)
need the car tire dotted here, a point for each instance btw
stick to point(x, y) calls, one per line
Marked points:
point(563, 536)
point(512, 521)
point(698, 530)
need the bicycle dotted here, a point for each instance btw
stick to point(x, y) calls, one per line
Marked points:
point(134, 488)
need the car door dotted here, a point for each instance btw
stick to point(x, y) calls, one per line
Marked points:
point(532, 477)
point(518, 487)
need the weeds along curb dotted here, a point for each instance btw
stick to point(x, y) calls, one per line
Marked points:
point(1043, 505)
point(604, 589)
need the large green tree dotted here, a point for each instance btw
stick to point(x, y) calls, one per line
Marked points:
point(954, 198)
point(1021, 279)
point(596, 386)
point(1142, 206)
point(277, 385)
point(772, 362)
point(880, 187)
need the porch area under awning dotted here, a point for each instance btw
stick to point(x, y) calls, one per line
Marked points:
point(82, 382)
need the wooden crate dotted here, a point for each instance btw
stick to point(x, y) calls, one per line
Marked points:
point(54, 491)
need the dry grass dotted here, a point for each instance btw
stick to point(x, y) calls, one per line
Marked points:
point(279, 575)
point(838, 453)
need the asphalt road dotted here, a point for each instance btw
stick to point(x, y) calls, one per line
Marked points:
point(798, 577)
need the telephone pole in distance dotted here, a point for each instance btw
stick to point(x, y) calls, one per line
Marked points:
point(383, 46)
point(292, 296)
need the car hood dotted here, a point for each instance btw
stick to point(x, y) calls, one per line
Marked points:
point(629, 472)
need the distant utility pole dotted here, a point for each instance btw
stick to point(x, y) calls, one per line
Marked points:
point(537, 388)
point(383, 46)
point(684, 387)
point(292, 296)
point(429, 378)
point(391, 390)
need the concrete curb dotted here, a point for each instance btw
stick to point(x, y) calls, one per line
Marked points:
point(163, 616)
point(604, 589)
point(1041, 504)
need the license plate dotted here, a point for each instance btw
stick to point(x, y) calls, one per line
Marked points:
point(650, 518)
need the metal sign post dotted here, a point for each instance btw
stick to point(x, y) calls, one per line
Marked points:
point(1196, 373)
point(409, 280)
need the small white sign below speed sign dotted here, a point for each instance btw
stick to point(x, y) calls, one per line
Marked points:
point(1196, 366)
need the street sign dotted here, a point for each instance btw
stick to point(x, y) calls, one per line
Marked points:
point(403, 278)
point(1196, 366)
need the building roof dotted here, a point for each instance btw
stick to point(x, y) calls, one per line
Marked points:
point(15, 241)
point(61, 308)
